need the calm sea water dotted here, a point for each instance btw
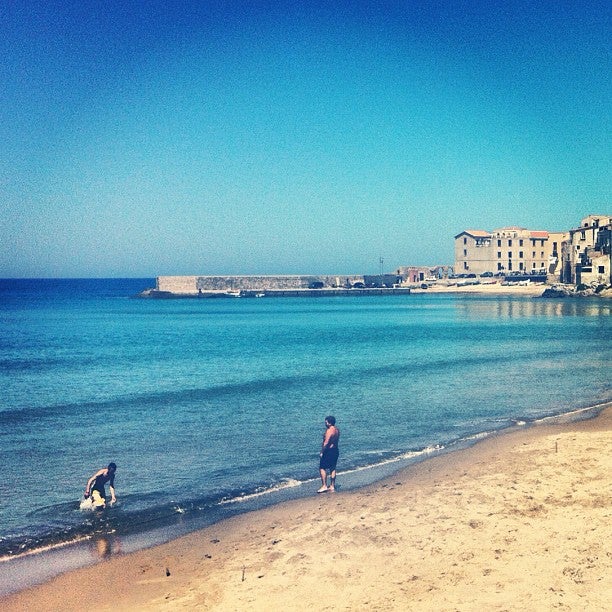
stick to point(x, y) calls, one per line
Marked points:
point(204, 403)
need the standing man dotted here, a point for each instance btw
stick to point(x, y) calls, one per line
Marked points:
point(95, 486)
point(329, 455)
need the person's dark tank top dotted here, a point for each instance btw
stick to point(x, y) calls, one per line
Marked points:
point(99, 483)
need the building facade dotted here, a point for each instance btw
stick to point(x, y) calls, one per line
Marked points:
point(473, 253)
point(420, 274)
point(509, 249)
point(586, 253)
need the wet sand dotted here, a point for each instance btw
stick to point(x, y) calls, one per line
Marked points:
point(520, 521)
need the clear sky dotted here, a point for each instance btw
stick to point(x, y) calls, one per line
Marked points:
point(208, 137)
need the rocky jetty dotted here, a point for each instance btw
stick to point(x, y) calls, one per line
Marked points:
point(572, 291)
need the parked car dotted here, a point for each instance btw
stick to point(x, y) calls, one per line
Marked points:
point(486, 274)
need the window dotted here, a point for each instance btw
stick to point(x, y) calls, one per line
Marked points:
point(499, 243)
point(601, 269)
point(510, 265)
point(509, 254)
point(465, 266)
point(464, 240)
point(542, 254)
point(520, 243)
point(498, 254)
point(521, 266)
point(499, 266)
point(520, 254)
point(533, 265)
point(533, 254)
point(465, 252)
point(509, 243)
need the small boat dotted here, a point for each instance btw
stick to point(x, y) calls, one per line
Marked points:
point(233, 293)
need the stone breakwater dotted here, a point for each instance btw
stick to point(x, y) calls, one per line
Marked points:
point(195, 284)
point(279, 286)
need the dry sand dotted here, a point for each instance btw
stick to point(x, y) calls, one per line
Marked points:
point(490, 288)
point(496, 288)
point(520, 521)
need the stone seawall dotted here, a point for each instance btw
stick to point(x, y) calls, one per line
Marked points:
point(271, 293)
point(196, 285)
point(177, 284)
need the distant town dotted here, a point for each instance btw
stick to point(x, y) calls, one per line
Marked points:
point(579, 257)
point(576, 256)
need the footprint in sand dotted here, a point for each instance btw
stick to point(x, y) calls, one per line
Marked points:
point(298, 558)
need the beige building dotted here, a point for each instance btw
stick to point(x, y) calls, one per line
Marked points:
point(586, 254)
point(509, 249)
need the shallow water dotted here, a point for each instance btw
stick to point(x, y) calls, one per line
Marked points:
point(203, 403)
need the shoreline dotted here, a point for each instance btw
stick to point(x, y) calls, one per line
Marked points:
point(235, 564)
point(494, 289)
point(36, 566)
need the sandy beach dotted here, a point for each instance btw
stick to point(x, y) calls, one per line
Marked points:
point(520, 521)
point(496, 289)
point(491, 288)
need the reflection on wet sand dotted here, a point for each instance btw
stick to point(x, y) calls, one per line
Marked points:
point(105, 546)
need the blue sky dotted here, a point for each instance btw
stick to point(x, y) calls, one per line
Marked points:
point(151, 138)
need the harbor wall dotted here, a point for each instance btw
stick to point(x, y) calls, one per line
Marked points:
point(194, 285)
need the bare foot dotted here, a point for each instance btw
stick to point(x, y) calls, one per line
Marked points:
point(332, 489)
point(323, 490)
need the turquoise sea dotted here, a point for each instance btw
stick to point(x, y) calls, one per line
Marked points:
point(214, 406)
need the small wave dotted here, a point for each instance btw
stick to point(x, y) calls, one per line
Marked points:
point(54, 511)
point(86, 505)
point(572, 413)
point(477, 436)
point(287, 483)
point(30, 364)
point(41, 548)
point(406, 456)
